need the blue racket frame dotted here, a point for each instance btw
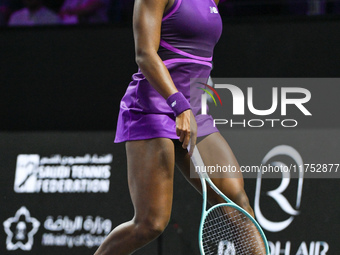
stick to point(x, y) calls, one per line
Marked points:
point(197, 161)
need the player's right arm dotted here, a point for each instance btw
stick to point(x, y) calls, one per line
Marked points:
point(147, 21)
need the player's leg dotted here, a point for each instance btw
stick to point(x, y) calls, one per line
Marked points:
point(215, 151)
point(150, 178)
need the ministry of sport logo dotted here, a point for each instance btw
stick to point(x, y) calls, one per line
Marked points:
point(286, 101)
point(55, 231)
point(20, 230)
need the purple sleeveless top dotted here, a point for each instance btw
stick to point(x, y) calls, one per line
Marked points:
point(189, 33)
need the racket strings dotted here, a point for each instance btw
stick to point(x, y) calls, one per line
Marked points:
point(226, 231)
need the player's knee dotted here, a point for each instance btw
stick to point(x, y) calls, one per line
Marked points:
point(149, 229)
point(242, 200)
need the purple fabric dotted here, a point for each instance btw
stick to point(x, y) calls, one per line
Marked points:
point(185, 60)
point(194, 28)
point(172, 10)
point(191, 28)
point(177, 51)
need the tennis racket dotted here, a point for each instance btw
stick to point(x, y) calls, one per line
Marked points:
point(227, 229)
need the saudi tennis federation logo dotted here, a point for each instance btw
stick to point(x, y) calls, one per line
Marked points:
point(208, 91)
point(20, 230)
point(26, 175)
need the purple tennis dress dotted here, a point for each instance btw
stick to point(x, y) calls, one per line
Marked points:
point(189, 33)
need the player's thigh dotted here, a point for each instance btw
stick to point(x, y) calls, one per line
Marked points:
point(215, 152)
point(150, 176)
point(219, 158)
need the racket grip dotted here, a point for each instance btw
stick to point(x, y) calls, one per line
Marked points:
point(198, 162)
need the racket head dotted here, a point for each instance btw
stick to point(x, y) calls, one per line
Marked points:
point(229, 229)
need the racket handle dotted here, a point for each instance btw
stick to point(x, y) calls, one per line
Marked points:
point(198, 162)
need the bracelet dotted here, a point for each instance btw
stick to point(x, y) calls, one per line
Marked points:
point(178, 103)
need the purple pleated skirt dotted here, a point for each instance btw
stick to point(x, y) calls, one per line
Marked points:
point(144, 113)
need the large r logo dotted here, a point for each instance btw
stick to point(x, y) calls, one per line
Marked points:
point(276, 194)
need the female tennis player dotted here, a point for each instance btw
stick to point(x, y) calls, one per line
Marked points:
point(174, 42)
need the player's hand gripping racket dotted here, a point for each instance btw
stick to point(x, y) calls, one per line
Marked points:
point(227, 229)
